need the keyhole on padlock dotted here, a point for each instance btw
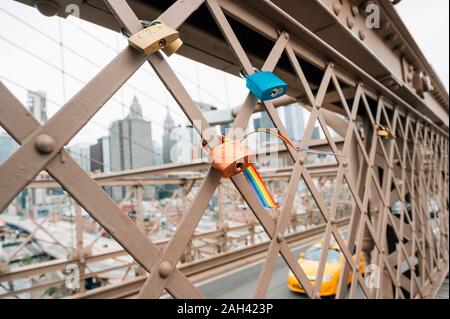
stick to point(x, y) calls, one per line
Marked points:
point(238, 166)
point(162, 43)
point(274, 92)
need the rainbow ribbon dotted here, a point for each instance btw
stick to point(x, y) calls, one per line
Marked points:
point(265, 198)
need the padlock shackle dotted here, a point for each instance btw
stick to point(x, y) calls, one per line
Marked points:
point(144, 23)
point(244, 76)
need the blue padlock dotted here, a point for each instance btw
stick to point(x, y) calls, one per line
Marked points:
point(266, 85)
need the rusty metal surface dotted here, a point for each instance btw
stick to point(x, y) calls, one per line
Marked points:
point(410, 169)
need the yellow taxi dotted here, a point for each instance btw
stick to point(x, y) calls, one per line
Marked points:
point(309, 261)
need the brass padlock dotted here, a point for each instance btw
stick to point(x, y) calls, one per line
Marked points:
point(173, 47)
point(230, 158)
point(384, 132)
point(153, 38)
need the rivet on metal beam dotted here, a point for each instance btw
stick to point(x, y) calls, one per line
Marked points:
point(165, 269)
point(47, 8)
point(350, 22)
point(385, 25)
point(400, 48)
point(362, 35)
point(45, 144)
point(337, 9)
point(279, 238)
point(392, 37)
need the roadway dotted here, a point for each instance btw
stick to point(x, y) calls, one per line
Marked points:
point(241, 283)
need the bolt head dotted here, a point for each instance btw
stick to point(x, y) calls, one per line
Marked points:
point(337, 9)
point(165, 269)
point(279, 238)
point(350, 23)
point(47, 8)
point(362, 35)
point(45, 144)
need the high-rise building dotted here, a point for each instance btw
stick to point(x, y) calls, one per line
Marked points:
point(316, 133)
point(257, 123)
point(168, 140)
point(266, 122)
point(294, 122)
point(183, 149)
point(157, 153)
point(130, 143)
point(37, 105)
point(101, 155)
point(7, 146)
point(81, 153)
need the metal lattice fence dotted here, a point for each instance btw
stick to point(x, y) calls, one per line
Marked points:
point(411, 168)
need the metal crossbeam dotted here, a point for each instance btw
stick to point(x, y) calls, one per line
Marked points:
point(410, 168)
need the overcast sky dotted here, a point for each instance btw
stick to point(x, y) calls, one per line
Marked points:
point(428, 23)
point(23, 31)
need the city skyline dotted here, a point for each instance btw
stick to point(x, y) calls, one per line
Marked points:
point(100, 45)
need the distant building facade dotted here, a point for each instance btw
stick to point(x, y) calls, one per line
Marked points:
point(7, 146)
point(81, 153)
point(130, 143)
point(187, 146)
point(294, 122)
point(157, 153)
point(316, 133)
point(101, 155)
point(37, 105)
point(168, 140)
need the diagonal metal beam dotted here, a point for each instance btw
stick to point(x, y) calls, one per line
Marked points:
point(188, 225)
point(88, 194)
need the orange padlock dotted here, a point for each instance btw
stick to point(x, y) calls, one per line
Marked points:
point(230, 158)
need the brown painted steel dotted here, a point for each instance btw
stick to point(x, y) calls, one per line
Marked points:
point(411, 167)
